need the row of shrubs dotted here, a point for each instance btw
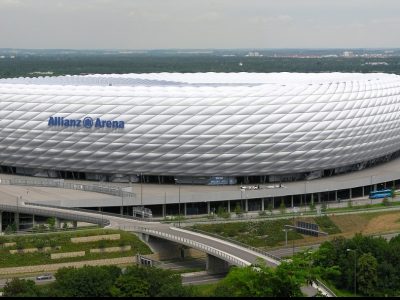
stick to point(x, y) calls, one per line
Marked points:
point(49, 226)
point(52, 243)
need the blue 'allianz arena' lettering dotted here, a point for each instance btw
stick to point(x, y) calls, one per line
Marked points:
point(87, 122)
point(109, 124)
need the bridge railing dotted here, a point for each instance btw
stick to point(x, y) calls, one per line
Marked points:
point(51, 213)
point(237, 243)
point(147, 215)
point(188, 242)
point(328, 290)
point(60, 183)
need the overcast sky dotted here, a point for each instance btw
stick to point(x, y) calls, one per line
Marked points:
point(153, 24)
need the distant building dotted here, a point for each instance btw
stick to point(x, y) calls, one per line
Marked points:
point(377, 63)
point(253, 54)
point(348, 54)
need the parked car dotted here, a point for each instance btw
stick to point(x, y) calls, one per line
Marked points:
point(44, 277)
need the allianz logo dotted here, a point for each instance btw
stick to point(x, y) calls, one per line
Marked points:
point(86, 122)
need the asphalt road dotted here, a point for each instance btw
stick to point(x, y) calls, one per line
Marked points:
point(201, 278)
point(38, 282)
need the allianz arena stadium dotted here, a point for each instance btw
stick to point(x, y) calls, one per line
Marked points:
point(197, 126)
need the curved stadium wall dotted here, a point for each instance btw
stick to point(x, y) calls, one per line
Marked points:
point(200, 124)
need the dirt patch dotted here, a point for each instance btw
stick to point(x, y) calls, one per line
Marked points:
point(385, 223)
point(350, 223)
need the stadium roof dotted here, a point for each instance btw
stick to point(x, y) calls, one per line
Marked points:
point(200, 79)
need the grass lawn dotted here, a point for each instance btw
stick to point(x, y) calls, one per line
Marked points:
point(269, 234)
point(205, 290)
point(256, 234)
point(64, 240)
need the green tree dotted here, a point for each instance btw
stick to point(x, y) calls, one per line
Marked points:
point(385, 201)
point(52, 223)
point(102, 244)
point(323, 207)
point(367, 275)
point(270, 207)
point(149, 281)
point(39, 243)
point(87, 281)
point(251, 281)
point(19, 244)
point(282, 207)
point(65, 226)
point(3, 240)
point(238, 210)
point(130, 286)
point(10, 229)
point(21, 288)
point(52, 243)
point(223, 213)
point(246, 282)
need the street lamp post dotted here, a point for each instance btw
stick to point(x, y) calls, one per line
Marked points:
point(371, 188)
point(141, 195)
point(294, 224)
point(355, 270)
point(179, 199)
point(122, 201)
point(141, 189)
point(305, 195)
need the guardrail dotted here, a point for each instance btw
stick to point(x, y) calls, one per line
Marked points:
point(236, 243)
point(328, 290)
point(211, 250)
point(51, 213)
point(59, 183)
point(146, 215)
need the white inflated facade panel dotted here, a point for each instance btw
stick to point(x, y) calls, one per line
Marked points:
point(200, 124)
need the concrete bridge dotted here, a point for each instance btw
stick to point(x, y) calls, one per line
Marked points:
point(221, 254)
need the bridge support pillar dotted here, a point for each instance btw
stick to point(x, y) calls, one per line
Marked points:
point(229, 206)
point(208, 208)
point(1, 222)
point(144, 237)
point(164, 210)
point(292, 201)
point(184, 209)
point(215, 265)
point(121, 210)
point(335, 195)
point(247, 205)
point(165, 249)
point(350, 195)
point(363, 194)
point(262, 204)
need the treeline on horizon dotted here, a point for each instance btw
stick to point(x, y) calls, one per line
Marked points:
point(34, 66)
